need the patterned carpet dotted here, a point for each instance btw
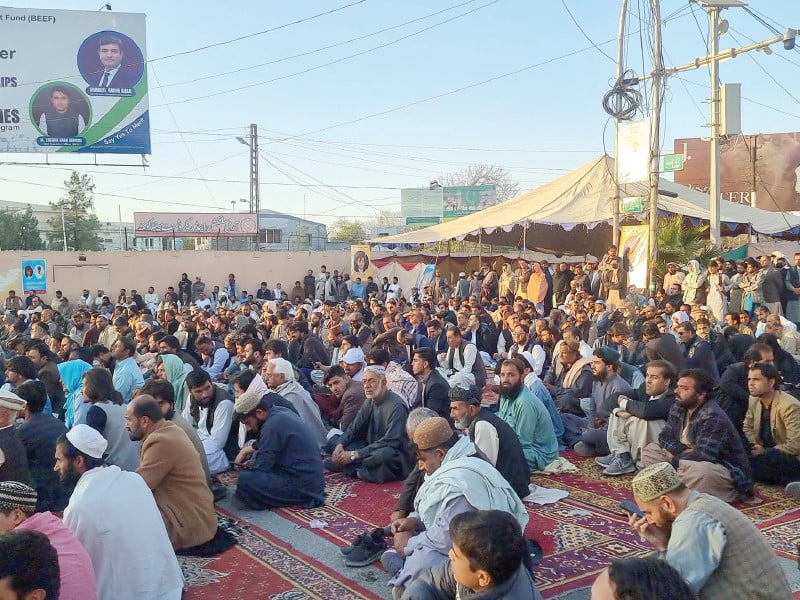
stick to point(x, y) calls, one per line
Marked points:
point(262, 566)
point(580, 535)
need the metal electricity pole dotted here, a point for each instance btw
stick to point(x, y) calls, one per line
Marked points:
point(716, 123)
point(713, 59)
point(655, 132)
point(255, 200)
point(620, 75)
point(255, 196)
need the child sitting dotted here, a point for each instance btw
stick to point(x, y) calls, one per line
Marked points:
point(488, 560)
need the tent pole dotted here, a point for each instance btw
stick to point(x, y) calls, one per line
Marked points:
point(480, 248)
point(525, 237)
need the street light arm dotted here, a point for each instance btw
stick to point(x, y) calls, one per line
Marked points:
point(729, 54)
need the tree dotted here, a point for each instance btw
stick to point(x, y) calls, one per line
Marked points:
point(351, 232)
point(483, 174)
point(679, 243)
point(20, 230)
point(384, 218)
point(79, 221)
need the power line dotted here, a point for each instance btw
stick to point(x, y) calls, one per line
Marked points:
point(185, 145)
point(332, 62)
point(222, 43)
point(321, 49)
point(767, 73)
point(586, 35)
point(751, 100)
point(462, 88)
point(257, 33)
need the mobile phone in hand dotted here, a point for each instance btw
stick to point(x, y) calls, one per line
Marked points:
point(630, 507)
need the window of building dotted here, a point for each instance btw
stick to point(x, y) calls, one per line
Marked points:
point(270, 236)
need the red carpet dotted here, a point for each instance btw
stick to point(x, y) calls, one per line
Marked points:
point(262, 566)
point(580, 535)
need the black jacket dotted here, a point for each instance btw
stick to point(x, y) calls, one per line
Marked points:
point(511, 463)
point(640, 405)
point(434, 394)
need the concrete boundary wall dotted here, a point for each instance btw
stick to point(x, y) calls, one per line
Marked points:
point(110, 271)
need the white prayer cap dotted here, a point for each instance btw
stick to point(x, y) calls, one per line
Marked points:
point(379, 370)
point(9, 400)
point(354, 356)
point(283, 367)
point(87, 440)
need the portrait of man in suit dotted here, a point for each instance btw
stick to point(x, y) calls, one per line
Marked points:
point(111, 63)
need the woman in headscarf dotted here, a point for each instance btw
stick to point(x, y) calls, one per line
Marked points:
point(694, 285)
point(71, 373)
point(751, 284)
point(170, 367)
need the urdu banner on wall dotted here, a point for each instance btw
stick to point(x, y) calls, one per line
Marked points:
point(73, 81)
point(195, 225)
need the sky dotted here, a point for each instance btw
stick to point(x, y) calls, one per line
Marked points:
point(354, 104)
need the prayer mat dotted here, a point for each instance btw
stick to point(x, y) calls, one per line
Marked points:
point(580, 535)
point(262, 566)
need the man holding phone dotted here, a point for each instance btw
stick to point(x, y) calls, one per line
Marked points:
point(717, 550)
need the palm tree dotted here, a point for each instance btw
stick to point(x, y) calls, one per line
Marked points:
point(680, 243)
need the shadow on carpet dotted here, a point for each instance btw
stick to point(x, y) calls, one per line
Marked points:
point(262, 566)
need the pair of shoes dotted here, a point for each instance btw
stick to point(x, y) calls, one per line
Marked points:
point(620, 466)
point(370, 549)
point(219, 492)
point(793, 489)
point(583, 449)
point(392, 562)
point(354, 544)
point(604, 461)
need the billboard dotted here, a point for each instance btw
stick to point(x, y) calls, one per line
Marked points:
point(73, 81)
point(421, 206)
point(467, 199)
point(761, 170)
point(34, 276)
point(195, 225)
point(425, 207)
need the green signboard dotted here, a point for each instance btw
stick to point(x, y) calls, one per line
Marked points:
point(467, 199)
point(673, 162)
point(632, 204)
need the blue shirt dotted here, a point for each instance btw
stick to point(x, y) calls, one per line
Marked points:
point(529, 419)
point(127, 377)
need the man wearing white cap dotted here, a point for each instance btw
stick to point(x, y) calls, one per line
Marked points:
point(353, 363)
point(113, 514)
point(18, 511)
point(13, 460)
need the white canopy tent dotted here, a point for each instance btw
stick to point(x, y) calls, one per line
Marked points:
point(586, 196)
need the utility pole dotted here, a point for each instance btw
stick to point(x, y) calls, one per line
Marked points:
point(716, 122)
point(255, 196)
point(620, 75)
point(712, 60)
point(655, 130)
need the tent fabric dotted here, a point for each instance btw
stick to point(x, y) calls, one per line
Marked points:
point(585, 196)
